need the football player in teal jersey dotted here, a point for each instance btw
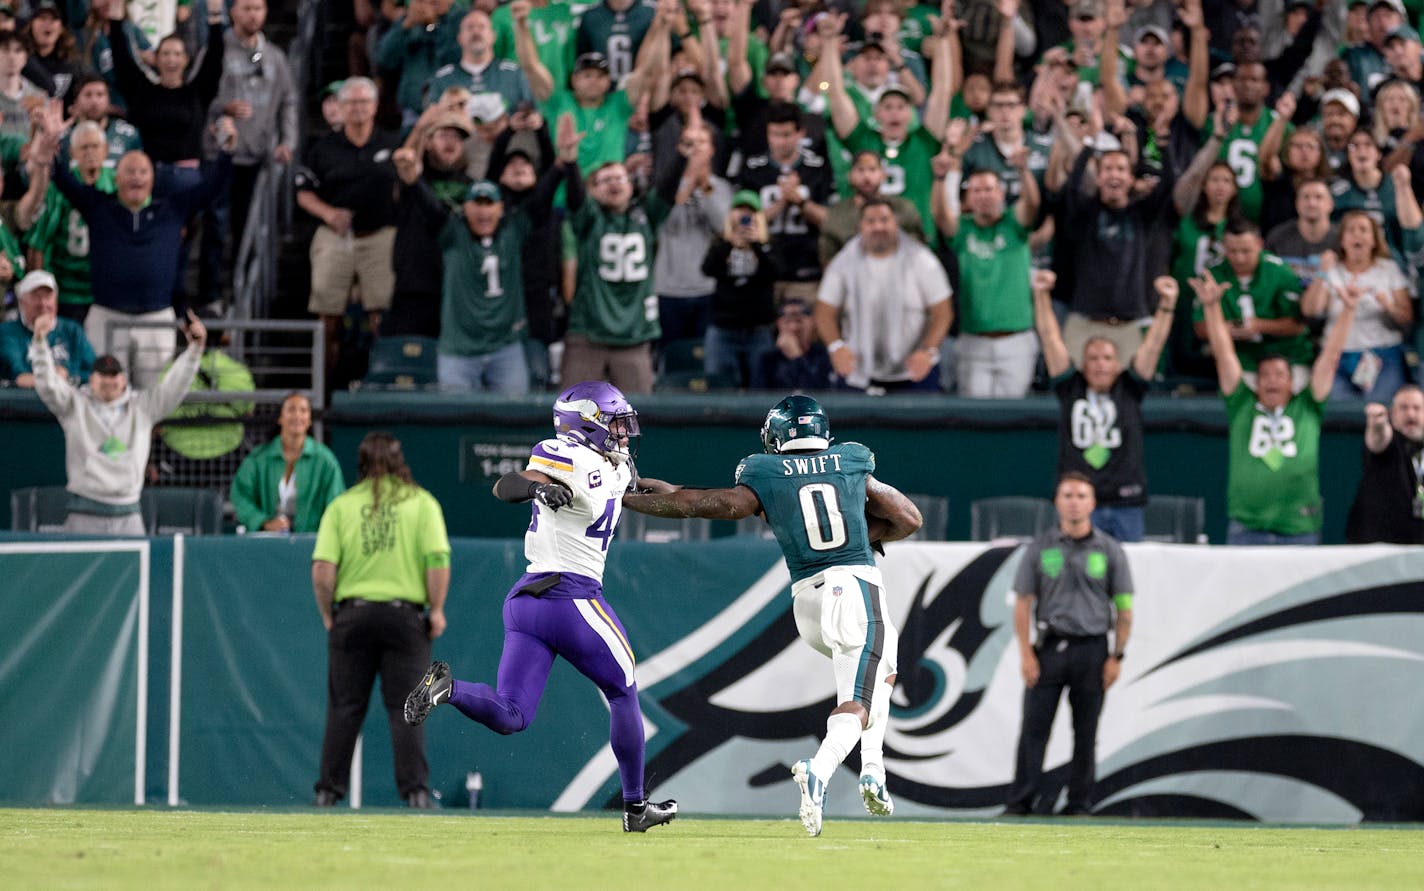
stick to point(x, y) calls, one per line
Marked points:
point(829, 513)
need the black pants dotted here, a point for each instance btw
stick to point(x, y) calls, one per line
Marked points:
point(366, 640)
point(1075, 663)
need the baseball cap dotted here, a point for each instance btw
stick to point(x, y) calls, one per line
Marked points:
point(454, 121)
point(1403, 32)
point(485, 108)
point(332, 88)
point(1225, 69)
point(793, 303)
point(1344, 97)
point(1087, 9)
point(588, 61)
point(37, 278)
point(483, 190)
point(895, 90)
point(1156, 31)
point(746, 198)
point(45, 6)
point(1392, 4)
point(683, 74)
point(7, 9)
point(781, 62)
point(108, 364)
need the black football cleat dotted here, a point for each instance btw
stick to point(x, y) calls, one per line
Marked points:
point(432, 690)
point(640, 816)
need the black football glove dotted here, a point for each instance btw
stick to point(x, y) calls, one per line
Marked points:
point(552, 495)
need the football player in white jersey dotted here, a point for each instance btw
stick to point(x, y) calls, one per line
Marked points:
point(575, 482)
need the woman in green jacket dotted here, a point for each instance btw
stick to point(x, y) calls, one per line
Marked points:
point(285, 485)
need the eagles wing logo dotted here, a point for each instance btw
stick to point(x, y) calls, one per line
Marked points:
point(1255, 715)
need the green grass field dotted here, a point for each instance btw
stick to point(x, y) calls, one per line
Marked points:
point(160, 848)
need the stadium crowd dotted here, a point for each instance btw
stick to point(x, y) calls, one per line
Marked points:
point(811, 195)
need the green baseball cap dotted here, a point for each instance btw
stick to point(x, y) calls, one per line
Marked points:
point(332, 88)
point(484, 190)
point(746, 198)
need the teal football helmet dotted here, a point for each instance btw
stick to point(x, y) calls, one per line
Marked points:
point(796, 424)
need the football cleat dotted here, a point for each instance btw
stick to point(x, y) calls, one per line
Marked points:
point(813, 796)
point(875, 797)
point(432, 690)
point(644, 815)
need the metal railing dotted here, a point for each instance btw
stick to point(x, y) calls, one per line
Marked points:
point(273, 209)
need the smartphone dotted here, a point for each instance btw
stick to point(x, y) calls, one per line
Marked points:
point(745, 219)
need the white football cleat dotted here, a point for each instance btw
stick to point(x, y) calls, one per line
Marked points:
point(875, 797)
point(813, 796)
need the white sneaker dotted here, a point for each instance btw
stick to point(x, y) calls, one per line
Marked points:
point(876, 797)
point(813, 796)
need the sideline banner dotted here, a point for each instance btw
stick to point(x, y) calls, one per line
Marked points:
point(1278, 684)
point(69, 674)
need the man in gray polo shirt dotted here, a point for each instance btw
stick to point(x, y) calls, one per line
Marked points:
point(1072, 584)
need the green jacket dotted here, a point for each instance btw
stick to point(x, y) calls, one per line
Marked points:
point(254, 489)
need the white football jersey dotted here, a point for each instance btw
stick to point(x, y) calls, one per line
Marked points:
point(575, 538)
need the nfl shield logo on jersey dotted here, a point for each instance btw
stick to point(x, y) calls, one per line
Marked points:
point(836, 591)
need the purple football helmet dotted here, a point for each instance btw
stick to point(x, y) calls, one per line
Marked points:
point(596, 414)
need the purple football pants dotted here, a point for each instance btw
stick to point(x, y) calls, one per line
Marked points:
point(588, 634)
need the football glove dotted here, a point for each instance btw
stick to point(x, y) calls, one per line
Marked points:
point(552, 495)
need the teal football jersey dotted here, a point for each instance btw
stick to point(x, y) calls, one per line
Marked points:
point(815, 503)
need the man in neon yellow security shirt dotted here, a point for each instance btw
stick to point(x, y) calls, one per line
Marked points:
point(380, 573)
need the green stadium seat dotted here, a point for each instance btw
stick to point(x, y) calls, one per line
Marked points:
point(167, 511)
point(1011, 516)
point(1175, 518)
point(402, 363)
point(934, 510)
point(38, 509)
point(641, 527)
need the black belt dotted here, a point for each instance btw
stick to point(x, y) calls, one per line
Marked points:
point(358, 601)
point(1052, 635)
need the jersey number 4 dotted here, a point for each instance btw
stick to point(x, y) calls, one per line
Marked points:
point(821, 514)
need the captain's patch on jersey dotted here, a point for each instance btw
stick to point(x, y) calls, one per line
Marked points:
point(595, 479)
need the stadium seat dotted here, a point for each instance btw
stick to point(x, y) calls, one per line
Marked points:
point(934, 510)
point(402, 363)
point(1175, 518)
point(754, 527)
point(680, 367)
point(1010, 517)
point(38, 509)
point(641, 527)
point(682, 356)
point(167, 511)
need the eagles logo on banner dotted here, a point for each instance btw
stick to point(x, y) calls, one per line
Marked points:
point(1269, 684)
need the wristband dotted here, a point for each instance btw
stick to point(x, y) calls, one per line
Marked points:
point(1119, 655)
point(835, 345)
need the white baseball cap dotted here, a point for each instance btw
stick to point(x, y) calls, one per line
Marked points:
point(39, 278)
point(1344, 97)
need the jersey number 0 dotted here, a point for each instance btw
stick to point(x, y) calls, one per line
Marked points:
point(821, 515)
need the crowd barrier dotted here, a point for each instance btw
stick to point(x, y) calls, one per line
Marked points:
point(1267, 684)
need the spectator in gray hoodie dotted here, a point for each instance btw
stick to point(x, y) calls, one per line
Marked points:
point(703, 199)
point(108, 428)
